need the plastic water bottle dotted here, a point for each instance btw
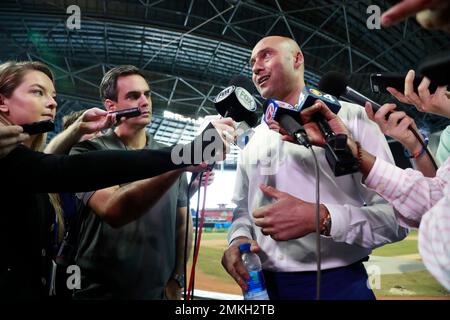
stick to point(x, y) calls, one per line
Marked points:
point(256, 288)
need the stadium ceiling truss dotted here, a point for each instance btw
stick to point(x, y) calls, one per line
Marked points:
point(191, 49)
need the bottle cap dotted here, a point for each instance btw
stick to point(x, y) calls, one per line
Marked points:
point(244, 247)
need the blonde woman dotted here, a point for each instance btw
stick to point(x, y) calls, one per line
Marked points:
point(29, 215)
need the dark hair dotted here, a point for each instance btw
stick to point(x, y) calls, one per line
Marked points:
point(108, 86)
point(12, 73)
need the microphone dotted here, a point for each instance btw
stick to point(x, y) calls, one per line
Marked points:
point(288, 117)
point(236, 102)
point(243, 82)
point(336, 84)
point(338, 154)
point(307, 98)
point(273, 109)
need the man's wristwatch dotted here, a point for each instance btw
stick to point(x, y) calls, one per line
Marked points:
point(179, 278)
point(326, 225)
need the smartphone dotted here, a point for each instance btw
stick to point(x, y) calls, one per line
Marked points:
point(437, 68)
point(127, 113)
point(380, 81)
point(38, 127)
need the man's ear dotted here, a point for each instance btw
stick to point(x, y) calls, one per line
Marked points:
point(110, 105)
point(3, 107)
point(298, 60)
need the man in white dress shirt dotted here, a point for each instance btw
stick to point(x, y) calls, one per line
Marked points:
point(275, 197)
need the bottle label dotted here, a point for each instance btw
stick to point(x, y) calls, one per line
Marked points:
point(256, 282)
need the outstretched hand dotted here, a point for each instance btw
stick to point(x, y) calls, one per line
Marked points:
point(437, 102)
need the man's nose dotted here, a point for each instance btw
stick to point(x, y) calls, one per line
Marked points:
point(143, 100)
point(256, 68)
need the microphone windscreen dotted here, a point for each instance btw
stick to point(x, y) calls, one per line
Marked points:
point(333, 83)
point(252, 119)
point(266, 104)
point(243, 82)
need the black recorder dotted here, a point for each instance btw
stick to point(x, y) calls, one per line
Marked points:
point(126, 113)
point(380, 81)
point(38, 127)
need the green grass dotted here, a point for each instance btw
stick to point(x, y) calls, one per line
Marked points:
point(209, 262)
point(413, 233)
point(214, 236)
point(397, 249)
point(420, 284)
point(404, 247)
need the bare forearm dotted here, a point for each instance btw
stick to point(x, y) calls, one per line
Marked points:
point(367, 159)
point(63, 142)
point(182, 218)
point(423, 164)
point(193, 189)
point(134, 200)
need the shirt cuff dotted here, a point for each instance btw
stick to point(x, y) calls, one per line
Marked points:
point(340, 223)
point(238, 233)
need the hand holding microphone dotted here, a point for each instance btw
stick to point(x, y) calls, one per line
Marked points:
point(288, 117)
point(94, 120)
point(227, 131)
point(313, 130)
point(221, 132)
point(236, 102)
point(395, 125)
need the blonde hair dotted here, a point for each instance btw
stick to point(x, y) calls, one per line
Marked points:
point(11, 76)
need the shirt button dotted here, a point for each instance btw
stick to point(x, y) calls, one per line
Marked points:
point(43, 252)
point(44, 282)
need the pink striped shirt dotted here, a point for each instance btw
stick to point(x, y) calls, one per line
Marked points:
point(423, 200)
point(408, 190)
